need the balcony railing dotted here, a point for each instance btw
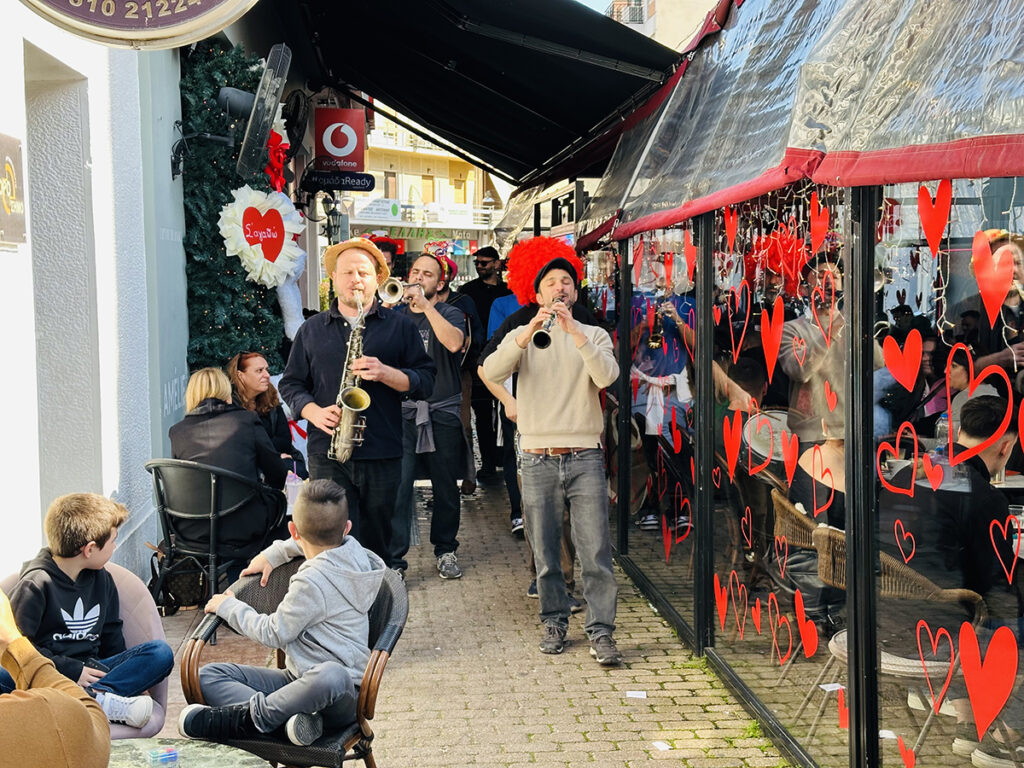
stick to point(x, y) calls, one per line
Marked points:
point(626, 13)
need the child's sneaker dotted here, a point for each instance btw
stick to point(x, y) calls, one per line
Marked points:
point(217, 723)
point(303, 730)
point(133, 711)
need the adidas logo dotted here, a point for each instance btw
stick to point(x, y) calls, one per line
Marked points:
point(79, 623)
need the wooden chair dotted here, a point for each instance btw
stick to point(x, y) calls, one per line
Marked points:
point(140, 622)
point(896, 580)
point(387, 620)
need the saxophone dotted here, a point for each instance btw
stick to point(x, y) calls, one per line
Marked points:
point(352, 398)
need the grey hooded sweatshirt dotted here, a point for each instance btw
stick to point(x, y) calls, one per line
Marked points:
point(323, 616)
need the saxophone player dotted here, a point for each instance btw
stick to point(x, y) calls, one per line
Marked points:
point(394, 365)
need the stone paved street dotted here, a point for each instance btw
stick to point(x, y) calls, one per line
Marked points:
point(468, 686)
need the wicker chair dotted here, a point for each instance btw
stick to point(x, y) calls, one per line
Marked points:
point(387, 620)
point(898, 581)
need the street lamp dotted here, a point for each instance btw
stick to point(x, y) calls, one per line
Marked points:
point(334, 221)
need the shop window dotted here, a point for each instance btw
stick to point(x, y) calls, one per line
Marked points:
point(390, 185)
point(459, 191)
point(427, 189)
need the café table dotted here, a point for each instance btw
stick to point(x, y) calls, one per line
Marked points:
point(134, 753)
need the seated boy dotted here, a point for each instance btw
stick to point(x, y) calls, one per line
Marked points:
point(321, 623)
point(66, 603)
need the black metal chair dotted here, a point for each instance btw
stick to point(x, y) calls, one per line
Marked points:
point(387, 620)
point(189, 492)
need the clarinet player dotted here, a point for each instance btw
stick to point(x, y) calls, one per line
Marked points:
point(393, 365)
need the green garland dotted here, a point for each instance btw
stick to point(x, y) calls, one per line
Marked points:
point(227, 313)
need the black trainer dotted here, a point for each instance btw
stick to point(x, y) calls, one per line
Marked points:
point(217, 723)
point(603, 649)
point(553, 640)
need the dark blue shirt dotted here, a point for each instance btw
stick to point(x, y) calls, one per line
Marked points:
point(317, 361)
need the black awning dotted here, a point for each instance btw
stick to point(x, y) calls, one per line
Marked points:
point(516, 83)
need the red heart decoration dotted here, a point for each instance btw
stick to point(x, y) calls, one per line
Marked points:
point(781, 553)
point(901, 536)
point(732, 219)
point(731, 435)
point(740, 615)
point(666, 538)
point(759, 421)
point(721, 601)
point(831, 398)
point(677, 435)
point(989, 680)
point(682, 510)
point(819, 473)
point(265, 229)
point(800, 349)
point(934, 215)
point(933, 472)
point(992, 370)
point(844, 711)
point(790, 454)
point(887, 447)
point(638, 260)
point(693, 471)
point(669, 268)
point(746, 528)
point(771, 334)
point(908, 755)
point(690, 254)
point(819, 223)
point(1004, 529)
point(737, 346)
point(635, 382)
point(775, 622)
point(934, 640)
point(716, 476)
point(903, 364)
point(819, 290)
point(687, 330)
point(994, 273)
point(755, 614)
point(808, 631)
point(716, 312)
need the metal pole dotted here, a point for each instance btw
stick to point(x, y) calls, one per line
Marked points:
point(705, 433)
point(623, 395)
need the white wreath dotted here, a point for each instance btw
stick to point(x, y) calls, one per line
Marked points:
point(290, 260)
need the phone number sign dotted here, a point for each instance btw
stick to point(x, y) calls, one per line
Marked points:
point(142, 23)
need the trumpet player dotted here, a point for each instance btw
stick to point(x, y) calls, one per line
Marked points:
point(393, 364)
point(560, 422)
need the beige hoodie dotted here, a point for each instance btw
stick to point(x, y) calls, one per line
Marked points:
point(557, 394)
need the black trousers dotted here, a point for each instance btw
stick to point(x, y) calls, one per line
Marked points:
point(484, 403)
point(371, 487)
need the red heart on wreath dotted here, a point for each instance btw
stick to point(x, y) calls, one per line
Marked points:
point(264, 229)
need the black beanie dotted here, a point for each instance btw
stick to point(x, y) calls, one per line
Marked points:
point(558, 263)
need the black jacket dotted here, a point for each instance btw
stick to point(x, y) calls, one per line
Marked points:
point(280, 434)
point(68, 621)
point(223, 435)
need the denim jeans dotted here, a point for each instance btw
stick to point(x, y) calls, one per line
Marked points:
point(444, 468)
point(274, 695)
point(370, 488)
point(549, 484)
point(132, 671)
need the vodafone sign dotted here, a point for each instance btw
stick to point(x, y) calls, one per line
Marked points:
point(340, 139)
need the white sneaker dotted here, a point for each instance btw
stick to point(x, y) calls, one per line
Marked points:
point(133, 711)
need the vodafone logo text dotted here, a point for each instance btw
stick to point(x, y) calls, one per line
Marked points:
point(340, 139)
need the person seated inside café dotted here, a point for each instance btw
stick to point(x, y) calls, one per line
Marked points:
point(252, 390)
point(220, 434)
point(945, 534)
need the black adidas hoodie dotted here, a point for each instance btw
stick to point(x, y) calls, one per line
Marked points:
point(68, 621)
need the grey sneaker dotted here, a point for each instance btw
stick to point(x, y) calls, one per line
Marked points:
point(303, 729)
point(133, 711)
point(448, 566)
point(603, 649)
point(553, 640)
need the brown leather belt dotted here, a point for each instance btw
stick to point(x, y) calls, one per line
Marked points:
point(554, 451)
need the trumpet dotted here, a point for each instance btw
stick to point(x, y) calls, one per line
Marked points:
point(392, 290)
point(541, 338)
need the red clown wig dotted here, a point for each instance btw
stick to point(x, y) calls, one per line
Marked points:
point(526, 259)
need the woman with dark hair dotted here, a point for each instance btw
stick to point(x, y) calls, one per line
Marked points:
point(252, 390)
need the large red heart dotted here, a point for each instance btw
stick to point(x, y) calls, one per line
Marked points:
point(716, 313)
point(781, 553)
point(819, 290)
point(819, 223)
point(819, 472)
point(908, 755)
point(790, 454)
point(901, 536)
point(934, 216)
point(887, 447)
point(994, 273)
point(990, 680)
point(771, 334)
point(992, 370)
point(759, 422)
point(731, 434)
point(831, 398)
point(732, 306)
point(934, 640)
point(1004, 529)
point(934, 472)
point(808, 631)
point(903, 364)
point(731, 223)
point(265, 229)
point(775, 622)
point(690, 254)
point(740, 590)
point(844, 711)
point(721, 601)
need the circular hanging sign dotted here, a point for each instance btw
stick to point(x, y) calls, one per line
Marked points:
point(142, 23)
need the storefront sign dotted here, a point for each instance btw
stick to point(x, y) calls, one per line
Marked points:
point(142, 23)
point(340, 139)
point(378, 209)
point(12, 192)
point(344, 181)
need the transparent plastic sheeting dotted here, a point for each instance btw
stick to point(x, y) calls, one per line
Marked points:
point(730, 121)
point(831, 76)
point(518, 213)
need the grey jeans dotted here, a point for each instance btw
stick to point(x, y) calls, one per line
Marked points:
point(576, 480)
point(274, 695)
